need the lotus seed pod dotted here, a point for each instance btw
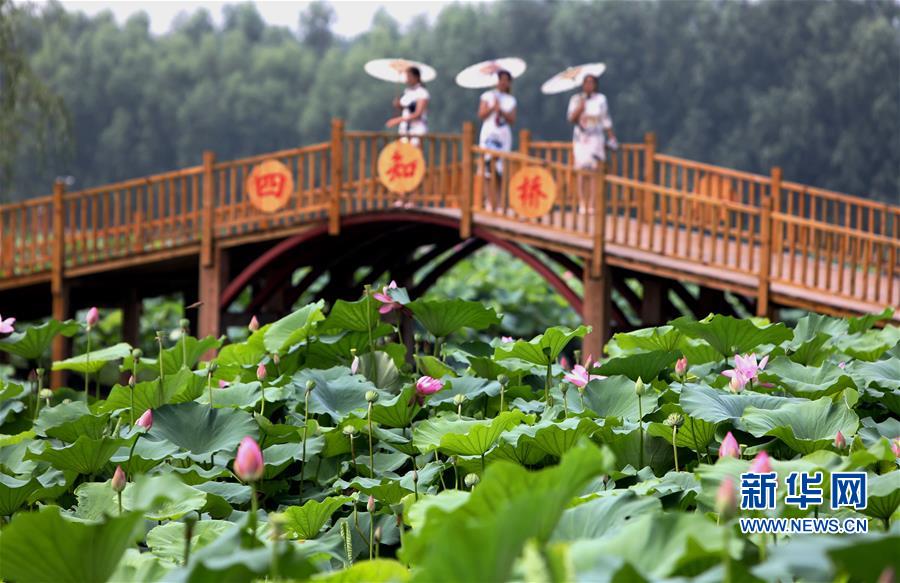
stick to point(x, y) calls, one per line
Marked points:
point(371, 396)
point(191, 518)
point(40, 372)
point(459, 400)
point(675, 420)
point(415, 476)
point(137, 353)
point(350, 430)
point(311, 384)
point(471, 480)
point(377, 534)
point(184, 323)
point(639, 387)
point(503, 380)
point(45, 394)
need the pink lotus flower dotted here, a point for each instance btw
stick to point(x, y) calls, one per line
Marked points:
point(895, 446)
point(564, 363)
point(261, 371)
point(388, 303)
point(729, 447)
point(589, 362)
point(581, 377)
point(681, 366)
point(568, 274)
point(726, 499)
point(428, 386)
point(761, 464)
point(93, 316)
point(146, 420)
point(840, 442)
point(118, 480)
point(746, 366)
point(253, 326)
point(223, 384)
point(248, 464)
point(506, 339)
point(841, 365)
point(6, 326)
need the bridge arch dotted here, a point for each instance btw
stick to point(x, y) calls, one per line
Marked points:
point(415, 248)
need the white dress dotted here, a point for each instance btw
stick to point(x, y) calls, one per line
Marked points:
point(417, 127)
point(588, 138)
point(495, 131)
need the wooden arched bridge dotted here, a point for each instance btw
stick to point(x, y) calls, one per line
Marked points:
point(665, 221)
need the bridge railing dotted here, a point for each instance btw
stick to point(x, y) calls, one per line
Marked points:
point(26, 236)
point(235, 215)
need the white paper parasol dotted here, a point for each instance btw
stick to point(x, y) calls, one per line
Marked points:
point(394, 70)
point(484, 74)
point(571, 78)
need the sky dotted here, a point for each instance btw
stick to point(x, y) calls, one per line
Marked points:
point(353, 16)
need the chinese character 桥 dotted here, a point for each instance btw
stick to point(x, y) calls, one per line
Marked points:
point(758, 490)
point(530, 193)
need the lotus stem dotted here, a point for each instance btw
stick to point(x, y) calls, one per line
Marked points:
point(371, 447)
point(119, 495)
point(547, 384)
point(368, 293)
point(641, 432)
point(254, 506)
point(188, 533)
point(160, 393)
point(726, 555)
point(209, 388)
point(131, 410)
point(353, 456)
point(87, 365)
point(371, 535)
point(565, 389)
point(131, 453)
point(674, 446)
point(694, 435)
point(305, 434)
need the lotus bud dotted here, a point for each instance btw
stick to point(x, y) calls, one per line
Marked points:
point(726, 499)
point(136, 354)
point(377, 534)
point(45, 394)
point(190, 519)
point(459, 400)
point(354, 364)
point(471, 480)
point(681, 366)
point(895, 446)
point(185, 324)
point(275, 358)
point(729, 447)
point(146, 420)
point(761, 464)
point(639, 387)
point(736, 384)
point(40, 372)
point(675, 420)
point(261, 372)
point(66, 401)
point(370, 504)
point(93, 316)
point(839, 441)
point(415, 476)
point(371, 396)
point(253, 326)
point(503, 380)
point(350, 430)
point(248, 464)
point(118, 480)
point(310, 385)
point(131, 382)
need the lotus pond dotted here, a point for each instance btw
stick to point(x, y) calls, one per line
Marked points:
point(320, 448)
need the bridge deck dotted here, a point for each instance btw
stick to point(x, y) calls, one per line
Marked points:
point(759, 236)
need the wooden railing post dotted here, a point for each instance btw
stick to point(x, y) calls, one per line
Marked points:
point(58, 288)
point(337, 176)
point(763, 308)
point(597, 255)
point(210, 276)
point(649, 175)
point(465, 195)
point(209, 209)
point(525, 141)
point(596, 306)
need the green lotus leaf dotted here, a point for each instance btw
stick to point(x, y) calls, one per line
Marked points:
point(695, 434)
point(305, 522)
point(603, 516)
point(236, 395)
point(553, 438)
point(201, 430)
point(883, 495)
point(804, 427)
point(646, 365)
point(379, 368)
point(717, 405)
point(68, 421)
point(884, 374)
point(160, 497)
point(729, 335)
point(510, 506)
point(872, 432)
point(359, 316)
point(293, 329)
point(471, 387)
point(167, 541)
point(811, 382)
point(14, 493)
point(444, 317)
point(138, 567)
point(543, 349)
point(335, 348)
point(415, 512)
point(337, 392)
point(811, 336)
point(95, 360)
point(870, 345)
point(434, 368)
point(174, 356)
point(44, 546)
point(180, 387)
point(386, 570)
point(33, 342)
point(398, 411)
point(466, 436)
point(86, 456)
point(613, 397)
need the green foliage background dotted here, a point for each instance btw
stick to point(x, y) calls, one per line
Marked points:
point(810, 86)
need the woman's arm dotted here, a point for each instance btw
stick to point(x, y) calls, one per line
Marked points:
point(421, 107)
point(575, 112)
point(509, 116)
point(484, 110)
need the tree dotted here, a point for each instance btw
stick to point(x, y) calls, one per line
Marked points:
point(315, 26)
